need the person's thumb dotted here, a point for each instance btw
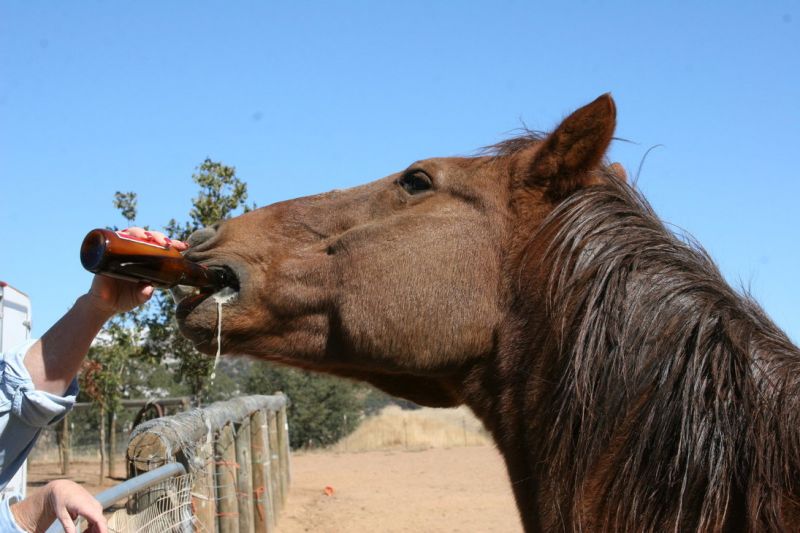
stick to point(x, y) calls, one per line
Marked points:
point(144, 293)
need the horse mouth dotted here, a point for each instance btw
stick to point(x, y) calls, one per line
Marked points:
point(196, 309)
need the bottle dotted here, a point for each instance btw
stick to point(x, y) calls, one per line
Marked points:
point(116, 254)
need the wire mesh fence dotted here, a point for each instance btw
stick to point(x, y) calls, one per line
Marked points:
point(237, 456)
point(222, 468)
point(75, 440)
point(165, 507)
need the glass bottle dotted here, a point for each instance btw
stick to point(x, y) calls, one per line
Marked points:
point(119, 255)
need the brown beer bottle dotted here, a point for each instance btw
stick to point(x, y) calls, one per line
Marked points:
point(119, 255)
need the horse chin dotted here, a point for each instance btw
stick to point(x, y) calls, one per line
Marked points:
point(198, 312)
point(198, 317)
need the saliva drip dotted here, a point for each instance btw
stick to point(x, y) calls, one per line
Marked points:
point(180, 292)
point(221, 297)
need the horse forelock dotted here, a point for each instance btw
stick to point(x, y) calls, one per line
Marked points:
point(513, 145)
point(677, 398)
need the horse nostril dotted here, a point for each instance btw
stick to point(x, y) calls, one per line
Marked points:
point(200, 236)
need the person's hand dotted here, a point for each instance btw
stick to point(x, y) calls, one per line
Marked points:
point(112, 295)
point(63, 500)
point(155, 237)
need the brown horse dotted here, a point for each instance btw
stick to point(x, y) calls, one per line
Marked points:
point(626, 384)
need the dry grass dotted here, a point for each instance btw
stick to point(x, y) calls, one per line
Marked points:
point(396, 429)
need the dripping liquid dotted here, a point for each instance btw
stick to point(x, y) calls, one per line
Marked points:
point(181, 292)
point(221, 297)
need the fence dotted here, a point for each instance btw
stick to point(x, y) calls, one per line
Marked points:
point(236, 454)
point(76, 438)
point(161, 480)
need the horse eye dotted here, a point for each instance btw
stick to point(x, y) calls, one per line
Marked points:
point(416, 183)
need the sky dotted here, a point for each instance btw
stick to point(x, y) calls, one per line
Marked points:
point(304, 97)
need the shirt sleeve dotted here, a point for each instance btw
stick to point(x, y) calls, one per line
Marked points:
point(7, 523)
point(24, 411)
point(34, 407)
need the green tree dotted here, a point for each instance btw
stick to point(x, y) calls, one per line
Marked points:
point(106, 371)
point(322, 409)
point(126, 203)
point(222, 195)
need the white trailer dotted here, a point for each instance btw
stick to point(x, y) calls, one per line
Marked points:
point(15, 317)
point(15, 328)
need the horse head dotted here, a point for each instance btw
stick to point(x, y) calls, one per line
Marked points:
point(404, 281)
point(626, 384)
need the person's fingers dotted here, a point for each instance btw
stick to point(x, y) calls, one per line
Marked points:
point(134, 231)
point(66, 520)
point(144, 293)
point(93, 513)
point(179, 245)
point(157, 237)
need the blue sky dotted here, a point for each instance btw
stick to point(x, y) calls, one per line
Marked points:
point(303, 97)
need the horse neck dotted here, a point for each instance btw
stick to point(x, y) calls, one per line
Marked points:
point(630, 377)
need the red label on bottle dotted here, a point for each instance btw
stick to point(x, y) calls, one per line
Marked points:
point(131, 238)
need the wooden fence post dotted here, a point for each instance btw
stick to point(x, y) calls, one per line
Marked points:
point(102, 476)
point(204, 494)
point(227, 500)
point(244, 476)
point(264, 512)
point(275, 461)
point(64, 446)
point(112, 444)
point(237, 451)
point(146, 452)
point(283, 437)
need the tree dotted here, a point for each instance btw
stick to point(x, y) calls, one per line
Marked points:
point(222, 195)
point(322, 409)
point(106, 369)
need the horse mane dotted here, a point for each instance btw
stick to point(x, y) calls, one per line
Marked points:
point(511, 146)
point(675, 400)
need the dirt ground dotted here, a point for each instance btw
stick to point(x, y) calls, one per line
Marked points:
point(83, 473)
point(436, 490)
point(460, 489)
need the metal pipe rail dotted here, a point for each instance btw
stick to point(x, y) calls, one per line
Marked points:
point(238, 453)
point(109, 497)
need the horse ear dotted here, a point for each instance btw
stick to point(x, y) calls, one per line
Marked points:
point(564, 160)
point(618, 171)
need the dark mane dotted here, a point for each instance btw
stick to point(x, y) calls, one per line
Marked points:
point(664, 375)
point(626, 385)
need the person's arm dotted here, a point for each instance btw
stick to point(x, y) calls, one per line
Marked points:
point(37, 387)
point(54, 360)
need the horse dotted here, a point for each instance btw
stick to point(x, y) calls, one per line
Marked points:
point(626, 384)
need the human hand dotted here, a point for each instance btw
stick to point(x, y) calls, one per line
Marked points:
point(155, 237)
point(112, 295)
point(63, 500)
